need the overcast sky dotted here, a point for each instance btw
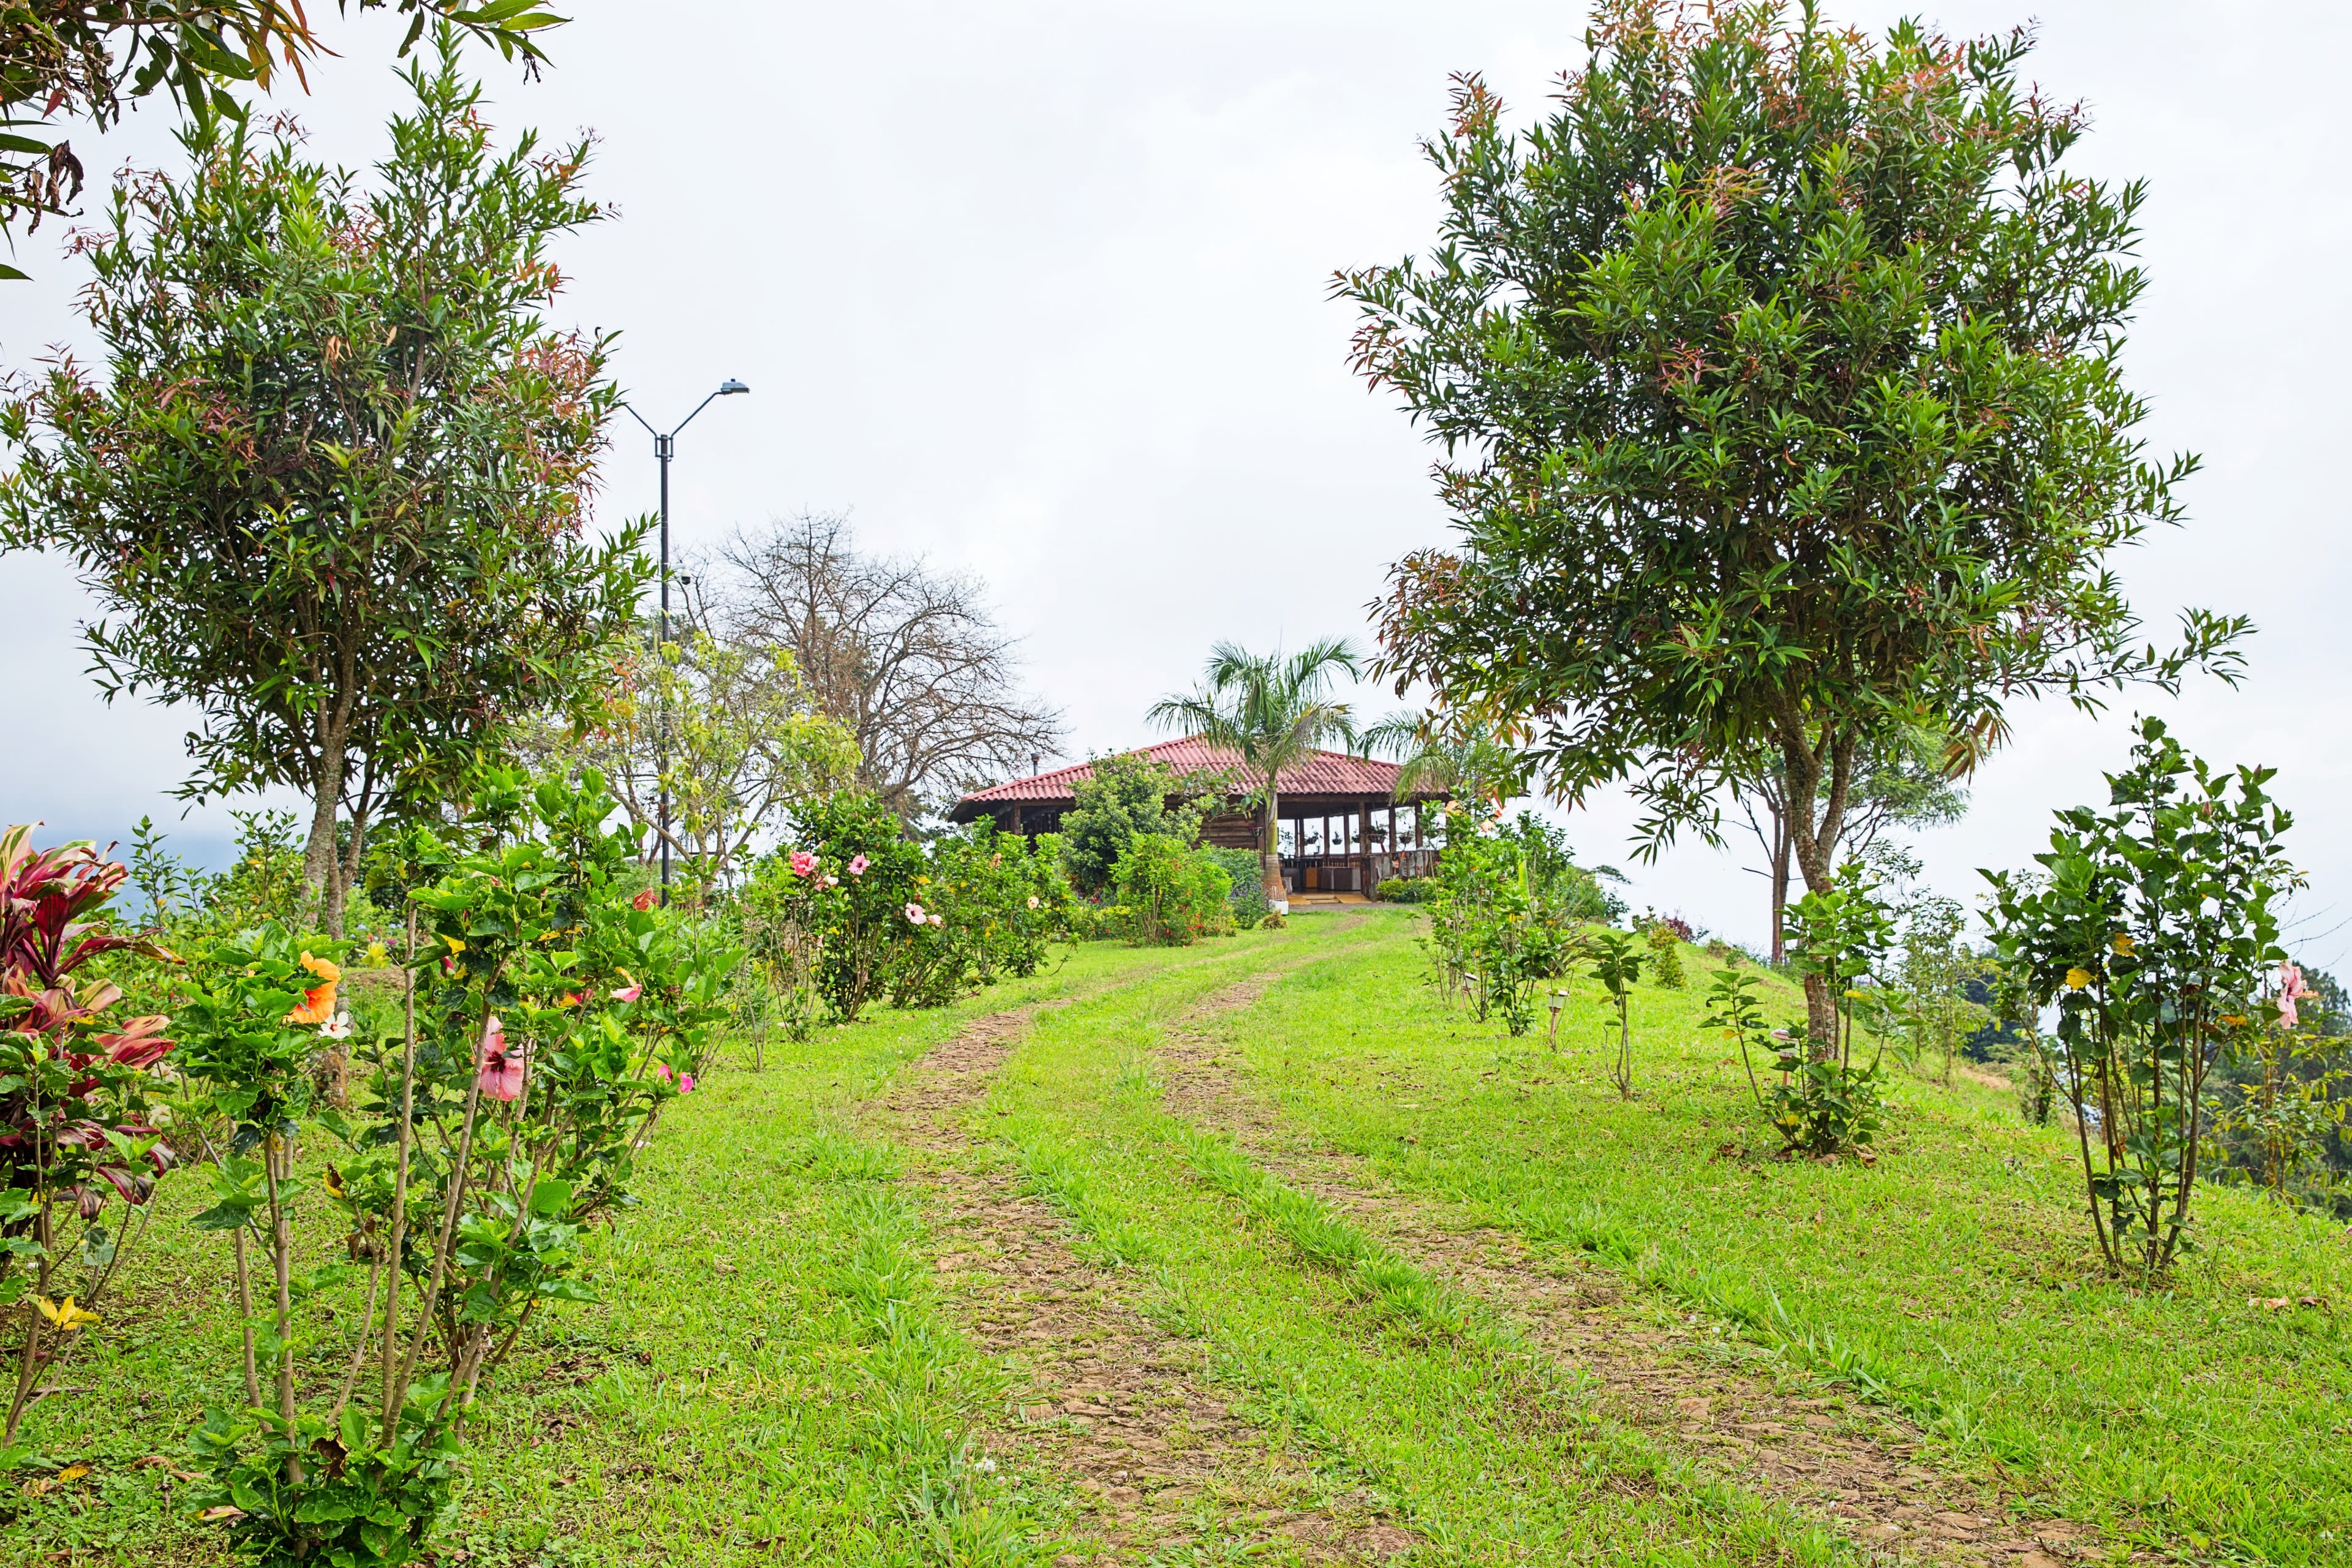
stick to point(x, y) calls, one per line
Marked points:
point(1041, 290)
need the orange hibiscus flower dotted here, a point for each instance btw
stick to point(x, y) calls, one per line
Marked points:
point(319, 1002)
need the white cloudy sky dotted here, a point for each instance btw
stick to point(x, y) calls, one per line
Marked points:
point(1040, 290)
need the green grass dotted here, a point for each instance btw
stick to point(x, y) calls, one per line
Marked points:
point(1388, 1380)
point(772, 1374)
point(1955, 1279)
point(768, 1362)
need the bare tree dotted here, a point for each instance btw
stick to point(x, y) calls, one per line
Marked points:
point(909, 658)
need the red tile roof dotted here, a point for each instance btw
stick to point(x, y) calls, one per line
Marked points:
point(1322, 773)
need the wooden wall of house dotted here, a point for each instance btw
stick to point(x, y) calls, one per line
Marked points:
point(1231, 830)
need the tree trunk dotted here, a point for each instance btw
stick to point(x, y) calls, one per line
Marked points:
point(1269, 855)
point(320, 857)
point(321, 861)
point(1807, 765)
point(1779, 885)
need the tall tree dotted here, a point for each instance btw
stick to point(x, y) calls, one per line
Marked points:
point(908, 657)
point(727, 726)
point(1270, 710)
point(332, 491)
point(91, 59)
point(1779, 373)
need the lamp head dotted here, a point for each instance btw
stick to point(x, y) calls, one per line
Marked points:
point(730, 386)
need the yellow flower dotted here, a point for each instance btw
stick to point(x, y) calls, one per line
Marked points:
point(2124, 945)
point(376, 955)
point(455, 945)
point(2078, 978)
point(68, 1317)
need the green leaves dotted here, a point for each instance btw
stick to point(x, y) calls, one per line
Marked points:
point(2151, 927)
point(1779, 410)
point(328, 485)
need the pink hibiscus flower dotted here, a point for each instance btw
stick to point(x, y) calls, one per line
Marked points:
point(857, 867)
point(2291, 988)
point(802, 862)
point(628, 993)
point(500, 1074)
point(914, 914)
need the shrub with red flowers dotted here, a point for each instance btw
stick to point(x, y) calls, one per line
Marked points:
point(76, 1130)
point(547, 1020)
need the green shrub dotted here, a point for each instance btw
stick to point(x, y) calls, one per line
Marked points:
point(1125, 796)
point(1173, 892)
point(1666, 958)
point(2151, 926)
point(851, 911)
point(1407, 890)
point(1249, 899)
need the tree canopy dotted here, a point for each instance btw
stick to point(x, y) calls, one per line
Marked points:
point(1778, 377)
point(332, 490)
point(90, 59)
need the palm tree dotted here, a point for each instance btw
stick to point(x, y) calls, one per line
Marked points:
point(1271, 710)
point(1445, 755)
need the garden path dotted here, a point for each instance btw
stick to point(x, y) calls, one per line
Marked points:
point(1116, 1406)
point(1857, 1465)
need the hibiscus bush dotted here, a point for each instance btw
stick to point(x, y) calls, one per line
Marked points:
point(548, 1015)
point(856, 912)
point(80, 1130)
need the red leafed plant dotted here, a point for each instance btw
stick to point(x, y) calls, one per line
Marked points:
point(75, 1128)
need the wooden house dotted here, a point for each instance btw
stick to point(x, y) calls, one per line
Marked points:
point(1343, 828)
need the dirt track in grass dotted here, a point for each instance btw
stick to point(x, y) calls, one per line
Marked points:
point(1116, 1405)
point(1856, 1465)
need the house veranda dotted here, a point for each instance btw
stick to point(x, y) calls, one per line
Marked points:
point(1343, 828)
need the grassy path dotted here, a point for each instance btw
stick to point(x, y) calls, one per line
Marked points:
point(1257, 1251)
point(1761, 1425)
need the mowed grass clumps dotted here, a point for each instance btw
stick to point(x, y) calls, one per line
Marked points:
point(1955, 1279)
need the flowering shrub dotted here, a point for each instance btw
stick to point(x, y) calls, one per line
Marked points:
point(547, 1019)
point(2151, 927)
point(77, 1127)
point(1173, 893)
point(837, 900)
point(853, 911)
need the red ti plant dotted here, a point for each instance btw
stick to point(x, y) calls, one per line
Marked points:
point(75, 1132)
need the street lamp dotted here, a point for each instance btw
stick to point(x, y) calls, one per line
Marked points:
point(663, 446)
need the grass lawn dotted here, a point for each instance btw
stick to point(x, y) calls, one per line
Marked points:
point(795, 1358)
point(1955, 1278)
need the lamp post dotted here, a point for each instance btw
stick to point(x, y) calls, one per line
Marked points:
point(663, 444)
